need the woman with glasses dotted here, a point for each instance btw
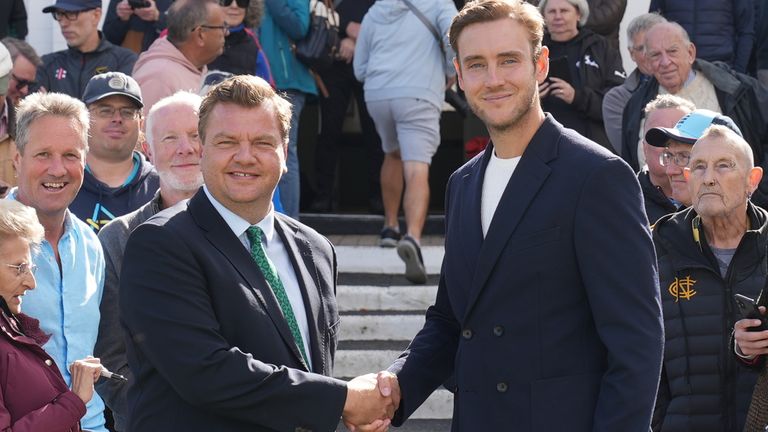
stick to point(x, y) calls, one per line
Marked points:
point(242, 51)
point(33, 395)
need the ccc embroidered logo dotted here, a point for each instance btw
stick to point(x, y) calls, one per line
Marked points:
point(682, 288)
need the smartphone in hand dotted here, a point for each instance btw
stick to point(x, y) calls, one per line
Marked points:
point(749, 310)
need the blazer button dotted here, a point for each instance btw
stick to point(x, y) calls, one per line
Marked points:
point(466, 334)
point(498, 331)
point(48, 362)
point(501, 387)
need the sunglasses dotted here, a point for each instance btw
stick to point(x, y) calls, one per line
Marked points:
point(21, 83)
point(240, 3)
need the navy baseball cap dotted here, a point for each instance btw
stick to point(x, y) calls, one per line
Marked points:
point(689, 128)
point(73, 5)
point(111, 84)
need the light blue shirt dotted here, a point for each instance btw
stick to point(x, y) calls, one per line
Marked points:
point(277, 253)
point(67, 302)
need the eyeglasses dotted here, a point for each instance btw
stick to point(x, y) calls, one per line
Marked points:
point(21, 83)
point(69, 15)
point(240, 3)
point(224, 27)
point(23, 268)
point(679, 159)
point(108, 112)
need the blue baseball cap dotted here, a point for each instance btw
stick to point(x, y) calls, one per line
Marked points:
point(73, 5)
point(689, 128)
point(111, 84)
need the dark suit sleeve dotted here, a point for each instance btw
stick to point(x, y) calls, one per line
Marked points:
point(173, 331)
point(617, 262)
point(110, 345)
point(429, 359)
point(662, 400)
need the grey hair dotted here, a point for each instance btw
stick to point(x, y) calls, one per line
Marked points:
point(19, 47)
point(581, 5)
point(189, 99)
point(184, 16)
point(18, 220)
point(642, 23)
point(38, 105)
point(668, 101)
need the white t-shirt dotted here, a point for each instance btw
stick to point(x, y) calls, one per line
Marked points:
point(497, 175)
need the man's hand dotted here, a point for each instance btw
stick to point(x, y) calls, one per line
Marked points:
point(751, 343)
point(124, 10)
point(368, 406)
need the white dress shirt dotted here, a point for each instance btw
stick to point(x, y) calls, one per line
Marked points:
point(277, 253)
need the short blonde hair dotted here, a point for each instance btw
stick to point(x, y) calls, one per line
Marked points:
point(247, 91)
point(18, 220)
point(480, 11)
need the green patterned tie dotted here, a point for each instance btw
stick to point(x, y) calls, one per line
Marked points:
point(258, 254)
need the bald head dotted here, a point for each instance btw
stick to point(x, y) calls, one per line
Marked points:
point(670, 55)
point(721, 174)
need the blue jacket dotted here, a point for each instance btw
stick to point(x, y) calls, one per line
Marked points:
point(722, 30)
point(396, 56)
point(284, 23)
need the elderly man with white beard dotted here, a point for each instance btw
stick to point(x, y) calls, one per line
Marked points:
point(173, 147)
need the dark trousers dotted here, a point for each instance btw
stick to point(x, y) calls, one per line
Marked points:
point(341, 84)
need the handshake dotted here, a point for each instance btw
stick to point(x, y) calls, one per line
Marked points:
point(371, 402)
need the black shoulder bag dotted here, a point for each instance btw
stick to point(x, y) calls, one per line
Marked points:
point(317, 50)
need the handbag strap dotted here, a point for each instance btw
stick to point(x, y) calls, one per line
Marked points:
point(426, 23)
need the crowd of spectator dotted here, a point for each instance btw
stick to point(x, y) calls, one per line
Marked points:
point(103, 134)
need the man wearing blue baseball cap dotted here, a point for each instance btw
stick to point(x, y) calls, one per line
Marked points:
point(88, 53)
point(118, 179)
point(678, 141)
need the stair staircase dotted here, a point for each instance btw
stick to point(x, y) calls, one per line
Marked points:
point(381, 312)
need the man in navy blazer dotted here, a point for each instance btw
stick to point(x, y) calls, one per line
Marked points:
point(214, 346)
point(547, 311)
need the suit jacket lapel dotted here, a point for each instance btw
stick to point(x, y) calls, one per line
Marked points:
point(300, 254)
point(469, 204)
point(525, 183)
point(224, 240)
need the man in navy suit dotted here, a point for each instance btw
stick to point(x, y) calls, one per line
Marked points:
point(229, 308)
point(547, 312)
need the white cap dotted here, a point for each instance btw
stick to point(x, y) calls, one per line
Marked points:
point(6, 65)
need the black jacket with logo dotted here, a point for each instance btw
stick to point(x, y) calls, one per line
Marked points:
point(703, 386)
point(68, 71)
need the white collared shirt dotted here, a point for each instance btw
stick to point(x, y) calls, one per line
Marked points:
point(278, 254)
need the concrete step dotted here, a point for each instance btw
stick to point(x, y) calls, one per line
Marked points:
point(392, 298)
point(357, 224)
point(380, 327)
point(367, 259)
